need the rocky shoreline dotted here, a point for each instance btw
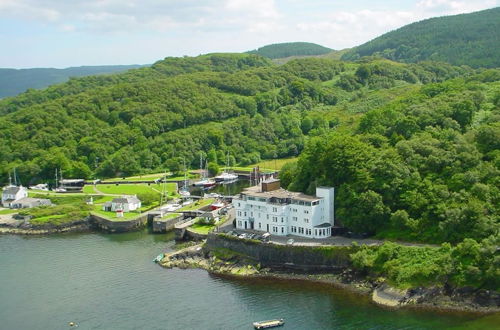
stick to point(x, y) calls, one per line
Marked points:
point(21, 227)
point(436, 298)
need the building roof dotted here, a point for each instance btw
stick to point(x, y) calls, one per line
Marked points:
point(324, 225)
point(12, 190)
point(129, 199)
point(28, 200)
point(256, 191)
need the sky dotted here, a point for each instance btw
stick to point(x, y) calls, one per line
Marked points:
point(63, 33)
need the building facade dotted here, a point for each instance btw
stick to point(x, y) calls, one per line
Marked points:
point(11, 194)
point(125, 204)
point(269, 208)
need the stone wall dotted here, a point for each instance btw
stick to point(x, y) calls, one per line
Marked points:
point(114, 226)
point(306, 258)
point(161, 225)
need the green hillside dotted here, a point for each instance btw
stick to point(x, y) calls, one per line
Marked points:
point(466, 39)
point(15, 81)
point(288, 49)
point(148, 119)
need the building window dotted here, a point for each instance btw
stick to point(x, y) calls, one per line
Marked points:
point(267, 216)
point(282, 230)
point(306, 211)
point(294, 218)
point(306, 220)
point(260, 226)
point(282, 219)
point(275, 209)
point(245, 214)
point(251, 214)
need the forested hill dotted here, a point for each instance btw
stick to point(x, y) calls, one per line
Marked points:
point(15, 81)
point(466, 39)
point(288, 49)
point(150, 118)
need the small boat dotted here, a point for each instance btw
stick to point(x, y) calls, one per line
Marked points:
point(158, 258)
point(268, 324)
point(226, 176)
point(216, 205)
point(205, 183)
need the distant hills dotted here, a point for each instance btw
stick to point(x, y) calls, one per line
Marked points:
point(15, 81)
point(466, 39)
point(288, 49)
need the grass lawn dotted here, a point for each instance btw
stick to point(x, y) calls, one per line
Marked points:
point(88, 189)
point(198, 204)
point(133, 189)
point(112, 215)
point(145, 177)
point(180, 177)
point(201, 228)
point(8, 211)
point(170, 216)
point(272, 164)
point(57, 214)
point(266, 165)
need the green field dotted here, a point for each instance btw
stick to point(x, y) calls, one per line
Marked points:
point(134, 189)
point(201, 228)
point(8, 211)
point(171, 216)
point(267, 165)
point(112, 215)
point(145, 177)
point(197, 205)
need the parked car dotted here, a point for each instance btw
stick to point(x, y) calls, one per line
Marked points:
point(243, 236)
point(252, 236)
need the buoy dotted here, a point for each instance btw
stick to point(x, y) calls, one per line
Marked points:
point(72, 324)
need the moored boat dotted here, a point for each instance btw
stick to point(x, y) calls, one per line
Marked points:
point(226, 176)
point(268, 324)
point(216, 205)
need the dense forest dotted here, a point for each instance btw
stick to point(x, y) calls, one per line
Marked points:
point(148, 119)
point(288, 49)
point(466, 39)
point(15, 81)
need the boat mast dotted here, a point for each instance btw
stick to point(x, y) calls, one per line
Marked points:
point(15, 177)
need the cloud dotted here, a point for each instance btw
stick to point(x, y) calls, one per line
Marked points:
point(450, 7)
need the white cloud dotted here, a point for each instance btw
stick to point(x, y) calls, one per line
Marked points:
point(178, 27)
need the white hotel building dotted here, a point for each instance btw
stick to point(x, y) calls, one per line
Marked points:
point(269, 208)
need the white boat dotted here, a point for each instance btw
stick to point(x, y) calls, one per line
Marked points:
point(184, 191)
point(205, 182)
point(268, 324)
point(40, 186)
point(216, 205)
point(226, 176)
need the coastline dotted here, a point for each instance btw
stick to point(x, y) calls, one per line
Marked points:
point(436, 299)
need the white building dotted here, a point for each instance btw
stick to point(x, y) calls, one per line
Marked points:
point(125, 204)
point(269, 208)
point(11, 194)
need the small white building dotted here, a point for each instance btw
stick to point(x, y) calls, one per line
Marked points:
point(269, 208)
point(11, 194)
point(125, 204)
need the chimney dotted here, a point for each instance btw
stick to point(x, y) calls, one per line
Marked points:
point(270, 185)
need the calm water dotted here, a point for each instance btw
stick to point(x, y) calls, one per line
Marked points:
point(109, 282)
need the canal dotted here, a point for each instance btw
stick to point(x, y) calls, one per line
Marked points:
point(108, 281)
